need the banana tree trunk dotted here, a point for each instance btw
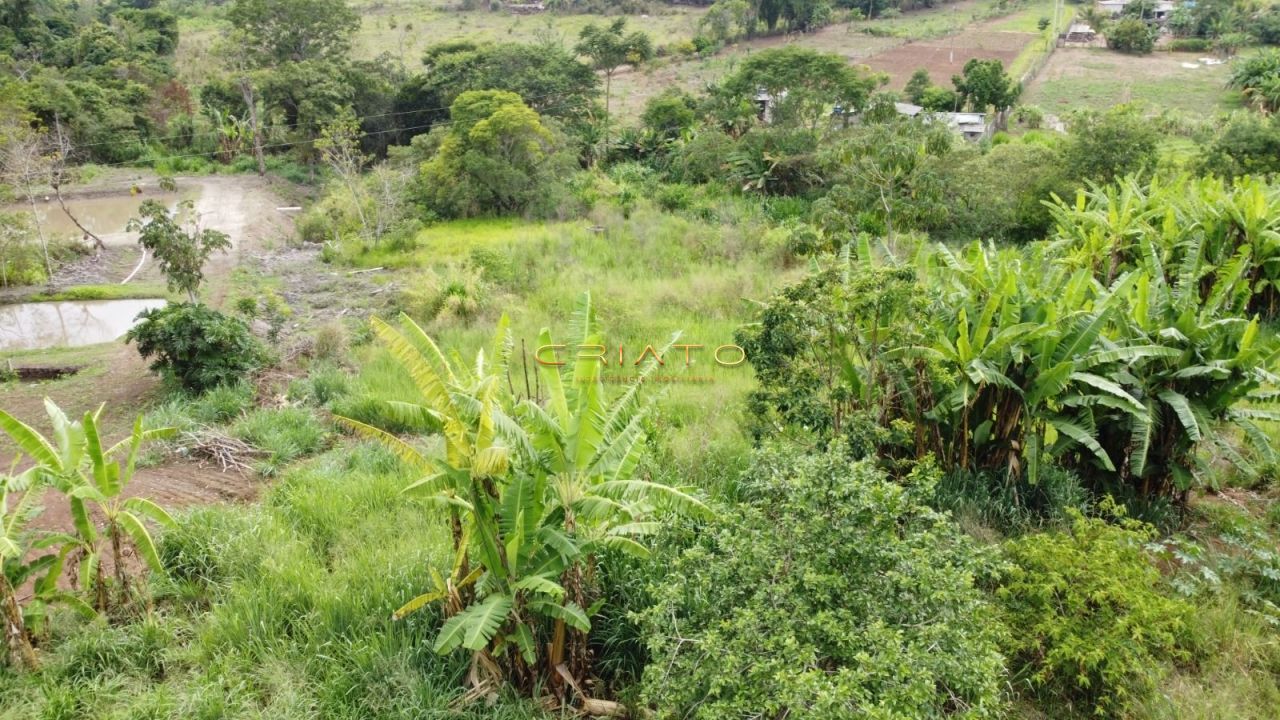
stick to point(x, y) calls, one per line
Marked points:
point(15, 629)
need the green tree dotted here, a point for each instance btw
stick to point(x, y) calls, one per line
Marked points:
point(549, 79)
point(339, 146)
point(1246, 145)
point(1131, 35)
point(883, 179)
point(496, 157)
point(669, 114)
point(917, 85)
point(727, 20)
point(610, 47)
point(1106, 145)
point(275, 32)
point(984, 84)
point(939, 99)
point(181, 253)
point(802, 84)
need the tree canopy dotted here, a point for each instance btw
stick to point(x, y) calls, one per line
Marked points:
point(804, 84)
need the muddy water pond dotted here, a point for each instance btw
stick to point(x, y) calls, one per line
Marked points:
point(35, 326)
point(106, 215)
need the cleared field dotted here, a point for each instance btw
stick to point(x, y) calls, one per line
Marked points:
point(945, 57)
point(405, 29)
point(632, 88)
point(1095, 78)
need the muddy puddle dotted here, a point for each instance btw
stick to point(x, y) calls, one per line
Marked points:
point(106, 216)
point(35, 326)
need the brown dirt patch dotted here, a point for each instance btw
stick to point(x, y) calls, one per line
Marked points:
point(944, 57)
point(173, 486)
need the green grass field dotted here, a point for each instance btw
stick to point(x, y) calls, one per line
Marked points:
point(1095, 79)
point(650, 275)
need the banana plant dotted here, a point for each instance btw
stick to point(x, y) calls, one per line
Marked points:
point(14, 518)
point(1217, 370)
point(1031, 360)
point(588, 450)
point(532, 495)
point(1114, 228)
point(476, 435)
point(77, 465)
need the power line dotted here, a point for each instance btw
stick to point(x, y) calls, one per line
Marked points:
point(442, 123)
point(287, 126)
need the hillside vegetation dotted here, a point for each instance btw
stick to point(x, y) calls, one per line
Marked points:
point(484, 381)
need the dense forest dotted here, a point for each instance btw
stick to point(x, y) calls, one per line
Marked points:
point(574, 367)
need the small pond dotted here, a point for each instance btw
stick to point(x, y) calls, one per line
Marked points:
point(35, 326)
point(105, 215)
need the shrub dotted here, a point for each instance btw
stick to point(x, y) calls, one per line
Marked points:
point(829, 592)
point(1190, 45)
point(1029, 115)
point(702, 159)
point(1089, 625)
point(196, 346)
point(1131, 35)
point(673, 198)
point(1245, 145)
point(330, 340)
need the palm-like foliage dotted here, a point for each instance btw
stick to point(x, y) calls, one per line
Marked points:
point(77, 465)
point(530, 501)
point(1113, 228)
point(1258, 77)
point(14, 517)
point(1216, 369)
point(1031, 360)
point(1028, 355)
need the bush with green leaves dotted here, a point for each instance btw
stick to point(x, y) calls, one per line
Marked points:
point(1247, 144)
point(1131, 35)
point(1091, 628)
point(496, 157)
point(827, 592)
point(196, 346)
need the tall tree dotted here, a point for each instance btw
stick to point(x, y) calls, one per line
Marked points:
point(497, 157)
point(984, 83)
point(26, 164)
point(339, 145)
point(274, 32)
point(802, 84)
point(610, 47)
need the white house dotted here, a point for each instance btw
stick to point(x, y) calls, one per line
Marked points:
point(1163, 8)
point(969, 125)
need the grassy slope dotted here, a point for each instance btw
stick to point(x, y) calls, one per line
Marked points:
point(282, 609)
point(650, 275)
